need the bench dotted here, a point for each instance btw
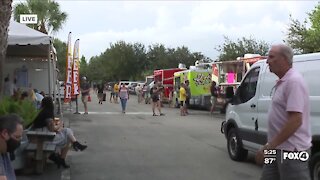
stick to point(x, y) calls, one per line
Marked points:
point(39, 142)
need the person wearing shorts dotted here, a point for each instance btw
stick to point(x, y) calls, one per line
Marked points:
point(112, 94)
point(85, 89)
point(116, 89)
point(182, 99)
point(155, 95)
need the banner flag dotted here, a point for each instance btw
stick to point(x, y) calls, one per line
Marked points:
point(75, 69)
point(68, 81)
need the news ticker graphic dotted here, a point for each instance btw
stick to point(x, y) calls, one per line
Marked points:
point(270, 155)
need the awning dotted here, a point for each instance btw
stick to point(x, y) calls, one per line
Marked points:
point(27, 42)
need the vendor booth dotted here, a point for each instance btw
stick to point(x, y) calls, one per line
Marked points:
point(30, 59)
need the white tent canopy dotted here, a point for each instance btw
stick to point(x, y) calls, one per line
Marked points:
point(27, 42)
point(20, 34)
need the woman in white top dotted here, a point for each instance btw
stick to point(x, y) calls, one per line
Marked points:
point(124, 96)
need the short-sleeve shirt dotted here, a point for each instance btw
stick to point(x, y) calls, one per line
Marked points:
point(183, 94)
point(291, 95)
point(123, 94)
point(116, 88)
point(85, 86)
point(6, 168)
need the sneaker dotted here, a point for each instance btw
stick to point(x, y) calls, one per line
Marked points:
point(154, 114)
point(86, 113)
point(161, 114)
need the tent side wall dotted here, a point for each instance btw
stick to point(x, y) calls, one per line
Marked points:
point(28, 73)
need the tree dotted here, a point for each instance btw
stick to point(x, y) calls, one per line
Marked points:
point(50, 17)
point(5, 15)
point(127, 61)
point(61, 49)
point(230, 50)
point(303, 39)
point(83, 66)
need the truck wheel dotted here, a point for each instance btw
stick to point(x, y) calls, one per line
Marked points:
point(235, 149)
point(314, 165)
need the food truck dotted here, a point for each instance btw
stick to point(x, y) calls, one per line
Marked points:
point(165, 77)
point(199, 77)
point(230, 73)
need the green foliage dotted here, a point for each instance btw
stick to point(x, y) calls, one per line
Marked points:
point(83, 66)
point(230, 50)
point(61, 48)
point(133, 61)
point(50, 17)
point(303, 39)
point(25, 109)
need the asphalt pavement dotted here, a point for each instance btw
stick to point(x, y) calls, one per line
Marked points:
point(138, 146)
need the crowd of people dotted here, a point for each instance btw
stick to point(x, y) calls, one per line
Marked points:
point(150, 95)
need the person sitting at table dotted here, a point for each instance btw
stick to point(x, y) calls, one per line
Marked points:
point(64, 136)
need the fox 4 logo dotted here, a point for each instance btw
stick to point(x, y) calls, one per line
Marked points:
point(302, 155)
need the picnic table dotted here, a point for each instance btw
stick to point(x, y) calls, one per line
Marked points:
point(39, 142)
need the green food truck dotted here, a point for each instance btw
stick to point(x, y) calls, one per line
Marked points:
point(199, 83)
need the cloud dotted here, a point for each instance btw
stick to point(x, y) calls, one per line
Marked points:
point(200, 25)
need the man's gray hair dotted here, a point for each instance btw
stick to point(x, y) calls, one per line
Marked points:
point(287, 52)
point(10, 122)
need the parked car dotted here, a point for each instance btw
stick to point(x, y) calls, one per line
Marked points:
point(246, 122)
point(132, 86)
point(127, 83)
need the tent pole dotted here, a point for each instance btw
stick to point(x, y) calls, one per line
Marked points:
point(49, 71)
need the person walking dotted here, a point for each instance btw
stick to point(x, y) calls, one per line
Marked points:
point(112, 93)
point(85, 90)
point(155, 95)
point(124, 97)
point(214, 96)
point(10, 137)
point(100, 89)
point(116, 92)
point(188, 96)
point(288, 119)
point(182, 99)
point(137, 90)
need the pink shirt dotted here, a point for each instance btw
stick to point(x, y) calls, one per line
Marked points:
point(291, 94)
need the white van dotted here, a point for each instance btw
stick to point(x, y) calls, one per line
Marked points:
point(246, 124)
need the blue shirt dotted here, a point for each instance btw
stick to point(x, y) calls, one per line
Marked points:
point(6, 168)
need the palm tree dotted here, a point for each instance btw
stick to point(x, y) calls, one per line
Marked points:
point(5, 15)
point(50, 17)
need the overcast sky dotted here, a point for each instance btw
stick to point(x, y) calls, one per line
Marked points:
point(199, 25)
